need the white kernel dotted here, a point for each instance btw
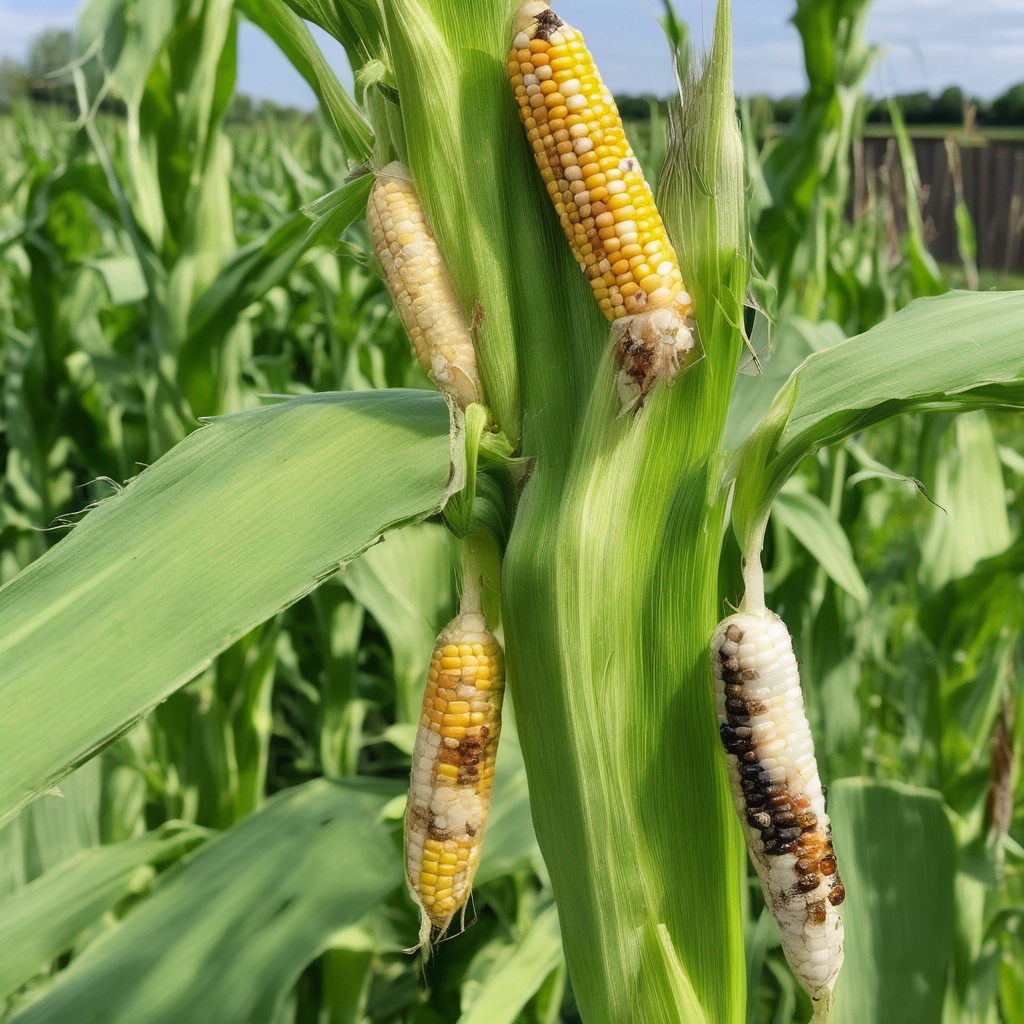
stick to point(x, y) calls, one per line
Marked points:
point(529, 80)
point(582, 146)
point(665, 268)
point(521, 41)
point(614, 187)
point(578, 102)
point(572, 173)
point(544, 72)
point(571, 88)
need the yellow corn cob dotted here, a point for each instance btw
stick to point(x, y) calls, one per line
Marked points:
point(453, 769)
point(778, 793)
point(420, 286)
point(604, 203)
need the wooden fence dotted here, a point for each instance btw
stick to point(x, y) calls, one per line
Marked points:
point(990, 175)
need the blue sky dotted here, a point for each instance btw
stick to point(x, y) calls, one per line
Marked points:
point(929, 44)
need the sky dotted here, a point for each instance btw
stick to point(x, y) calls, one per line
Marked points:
point(929, 44)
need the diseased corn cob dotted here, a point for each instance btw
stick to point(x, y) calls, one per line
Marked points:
point(420, 285)
point(453, 769)
point(778, 793)
point(605, 205)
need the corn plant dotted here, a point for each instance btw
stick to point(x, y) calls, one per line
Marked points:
point(611, 543)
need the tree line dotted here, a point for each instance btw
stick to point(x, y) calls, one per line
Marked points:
point(53, 50)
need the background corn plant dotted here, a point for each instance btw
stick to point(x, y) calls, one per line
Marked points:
point(233, 854)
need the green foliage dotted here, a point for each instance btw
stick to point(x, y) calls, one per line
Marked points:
point(179, 263)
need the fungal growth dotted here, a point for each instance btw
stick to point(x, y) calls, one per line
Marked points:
point(453, 769)
point(422, 291)
point(604, 203)
point(778, 794)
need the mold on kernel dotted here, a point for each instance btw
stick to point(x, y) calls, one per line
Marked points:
point(816, 911)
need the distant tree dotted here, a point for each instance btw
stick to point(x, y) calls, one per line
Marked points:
point(786, 108)
point(13, 82)
point(948, 107)
point(52, 50)
point(49, 53)
point(634, 108)
point(916, 107)
point(242, 108)
point(1008, 109)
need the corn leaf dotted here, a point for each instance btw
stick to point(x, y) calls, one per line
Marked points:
point(957, 351)
point(510, 842)
point(226, 938)
point(898, 860)
point(256, 268)
point(808, 518)
point(519, 975)
point(238, 521)
point(407, 584)
point(292, 35)
point(790, 344)
point(41, 921)
point(971, 523)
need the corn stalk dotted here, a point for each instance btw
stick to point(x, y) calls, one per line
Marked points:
point(611, 526)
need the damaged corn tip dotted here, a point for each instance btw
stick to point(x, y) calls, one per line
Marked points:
point(778, 794)
point(420, 286)
point(453, 769)
point(602, 199)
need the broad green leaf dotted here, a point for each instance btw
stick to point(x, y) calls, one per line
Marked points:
point(62, 824)
point(356, 24)
point(956, 352)
point(292, 34)
point(808, 518)
point(897, 856)
point(519, 975)
point(225, 939)
point(41, 921)
point(951, 351)
point(509, 842)
point(924, 270)
point(792, 342)
point(1011, 983)
point(971, 523)
point(256, 268)
point(123, 278)
point(238, 521)
point(407, 584)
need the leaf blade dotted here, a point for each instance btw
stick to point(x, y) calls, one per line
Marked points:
point(181, 563)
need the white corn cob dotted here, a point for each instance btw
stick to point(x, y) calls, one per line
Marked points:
point(453, 769)
point(778, 793)
point(420, 286)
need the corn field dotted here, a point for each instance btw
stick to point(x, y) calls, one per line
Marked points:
point(245, 525)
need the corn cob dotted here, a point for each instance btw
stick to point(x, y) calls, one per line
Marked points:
point(453, 769)
point(778, 793)
point(605, 205)
point(420, 286)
